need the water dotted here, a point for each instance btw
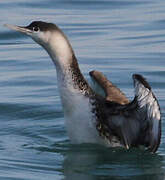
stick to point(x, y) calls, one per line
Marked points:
point(117, 37)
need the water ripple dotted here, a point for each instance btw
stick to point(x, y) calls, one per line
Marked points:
point(116, 37)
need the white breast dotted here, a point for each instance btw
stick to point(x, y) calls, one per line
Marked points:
point(80, 121)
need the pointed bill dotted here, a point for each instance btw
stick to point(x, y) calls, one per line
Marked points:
point(23, 30)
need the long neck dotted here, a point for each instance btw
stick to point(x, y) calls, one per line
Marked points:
point(68, 72)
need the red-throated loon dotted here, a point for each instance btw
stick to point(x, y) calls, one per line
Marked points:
point(92, 118)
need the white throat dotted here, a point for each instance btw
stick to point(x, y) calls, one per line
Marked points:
point(59, 49)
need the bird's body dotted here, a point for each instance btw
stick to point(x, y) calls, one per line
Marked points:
point(91, 118)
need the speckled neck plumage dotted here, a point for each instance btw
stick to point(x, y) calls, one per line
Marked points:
point(63, 56)
point(79, 81)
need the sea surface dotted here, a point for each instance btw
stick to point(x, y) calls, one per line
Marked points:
point(116, 37)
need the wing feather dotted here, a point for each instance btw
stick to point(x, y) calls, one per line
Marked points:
point(148, 103)
point(135, 123)
point(112, 93)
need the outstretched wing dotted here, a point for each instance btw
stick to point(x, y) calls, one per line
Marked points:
point(148, 105)
point(112, 93)
point(136, 123)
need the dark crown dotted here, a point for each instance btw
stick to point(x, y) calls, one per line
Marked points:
point(43, 26)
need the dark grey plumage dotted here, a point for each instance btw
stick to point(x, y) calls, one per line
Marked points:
point(132, 123)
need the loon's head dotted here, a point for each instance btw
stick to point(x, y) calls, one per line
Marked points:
point(49, 36)
point(39, 31)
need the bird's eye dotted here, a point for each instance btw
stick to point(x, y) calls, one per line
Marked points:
point(36, 28)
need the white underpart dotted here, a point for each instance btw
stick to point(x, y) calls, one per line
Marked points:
point(80, 124)
point(147, 101)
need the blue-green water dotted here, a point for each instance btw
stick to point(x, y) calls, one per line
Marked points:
point(117, 37)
